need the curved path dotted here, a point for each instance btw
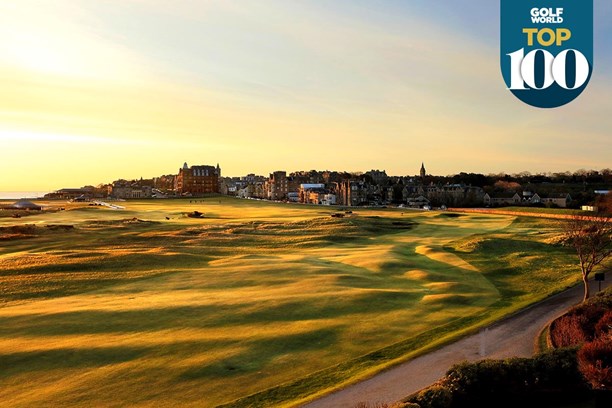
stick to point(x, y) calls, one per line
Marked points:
point(511, 337)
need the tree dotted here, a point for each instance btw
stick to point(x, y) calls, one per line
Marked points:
point(591, 237)
point(604, 203)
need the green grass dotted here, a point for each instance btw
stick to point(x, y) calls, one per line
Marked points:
point(256, 304)
point(541, 342)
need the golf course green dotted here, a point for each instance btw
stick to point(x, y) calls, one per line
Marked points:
point(255, 303)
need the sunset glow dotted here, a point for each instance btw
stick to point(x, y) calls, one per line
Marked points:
point(94, 90)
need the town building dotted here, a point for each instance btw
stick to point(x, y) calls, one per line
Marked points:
point(417, 202)
point(353, 193)
point(165, 183)
point(197, 181)
point(453, 194)
point(311, 193)
point(511, 198)
point(252, 179)
point(128, 192)
point(253, 190)
point(277, 186)
point(554, 200)
point(85, 193)
point(230, 185)
point(378, 177)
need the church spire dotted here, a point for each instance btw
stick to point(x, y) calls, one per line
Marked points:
point(423, 172)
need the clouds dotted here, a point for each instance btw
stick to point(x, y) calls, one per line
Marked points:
point(251, 84)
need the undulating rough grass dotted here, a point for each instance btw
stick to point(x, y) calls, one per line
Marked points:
point(256, 304)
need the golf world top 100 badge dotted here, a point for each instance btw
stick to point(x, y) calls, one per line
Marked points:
point(547, 49)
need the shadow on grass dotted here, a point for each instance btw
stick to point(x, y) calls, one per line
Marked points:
point(519, 267)
point(302, 387)
point(66, 358)
point(205, 316)
point(263, 352)
point(111, 262)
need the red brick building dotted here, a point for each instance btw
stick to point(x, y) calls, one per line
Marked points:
point(198, 180)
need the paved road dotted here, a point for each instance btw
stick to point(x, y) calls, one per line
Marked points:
point(512, 337)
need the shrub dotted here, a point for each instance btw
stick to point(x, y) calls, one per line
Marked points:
point(435, 396)
point(557, 372)
point(567, 331)
point(591, 314)
point(547, 378)
point(578, 325)
point(603, 299)
point(590, 325)
point(595, 363)
point(604, 325)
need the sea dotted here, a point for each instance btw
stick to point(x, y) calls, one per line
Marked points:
point(16, 195)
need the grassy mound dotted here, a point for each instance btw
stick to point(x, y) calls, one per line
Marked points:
point(255, 303)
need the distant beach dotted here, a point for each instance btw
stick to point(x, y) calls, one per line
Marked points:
point(16, 195)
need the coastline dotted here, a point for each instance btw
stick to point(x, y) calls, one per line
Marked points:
point(17, 195)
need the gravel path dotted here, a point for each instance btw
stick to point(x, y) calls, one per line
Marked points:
point(511, 337)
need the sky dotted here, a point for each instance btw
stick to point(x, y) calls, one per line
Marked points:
point(96, 90)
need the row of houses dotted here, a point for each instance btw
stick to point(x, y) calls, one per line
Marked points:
point(329, 188)
point(561, 200)
point(378, 189)
point(374, 187)
point(190, 181)
point(120, 189)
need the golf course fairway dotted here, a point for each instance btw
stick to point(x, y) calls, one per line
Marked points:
point(254, 304)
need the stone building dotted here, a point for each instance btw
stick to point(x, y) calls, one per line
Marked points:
point(134, 189)
point(277, 186)
point(378, 177)
point(352, 193)
point(453, 194)
point(506, 198)
point(311, 193)
point(556, 200)
point(166, 182)
point(252, 190)
point(198, 180)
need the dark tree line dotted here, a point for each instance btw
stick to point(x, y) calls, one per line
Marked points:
point(591, 177)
